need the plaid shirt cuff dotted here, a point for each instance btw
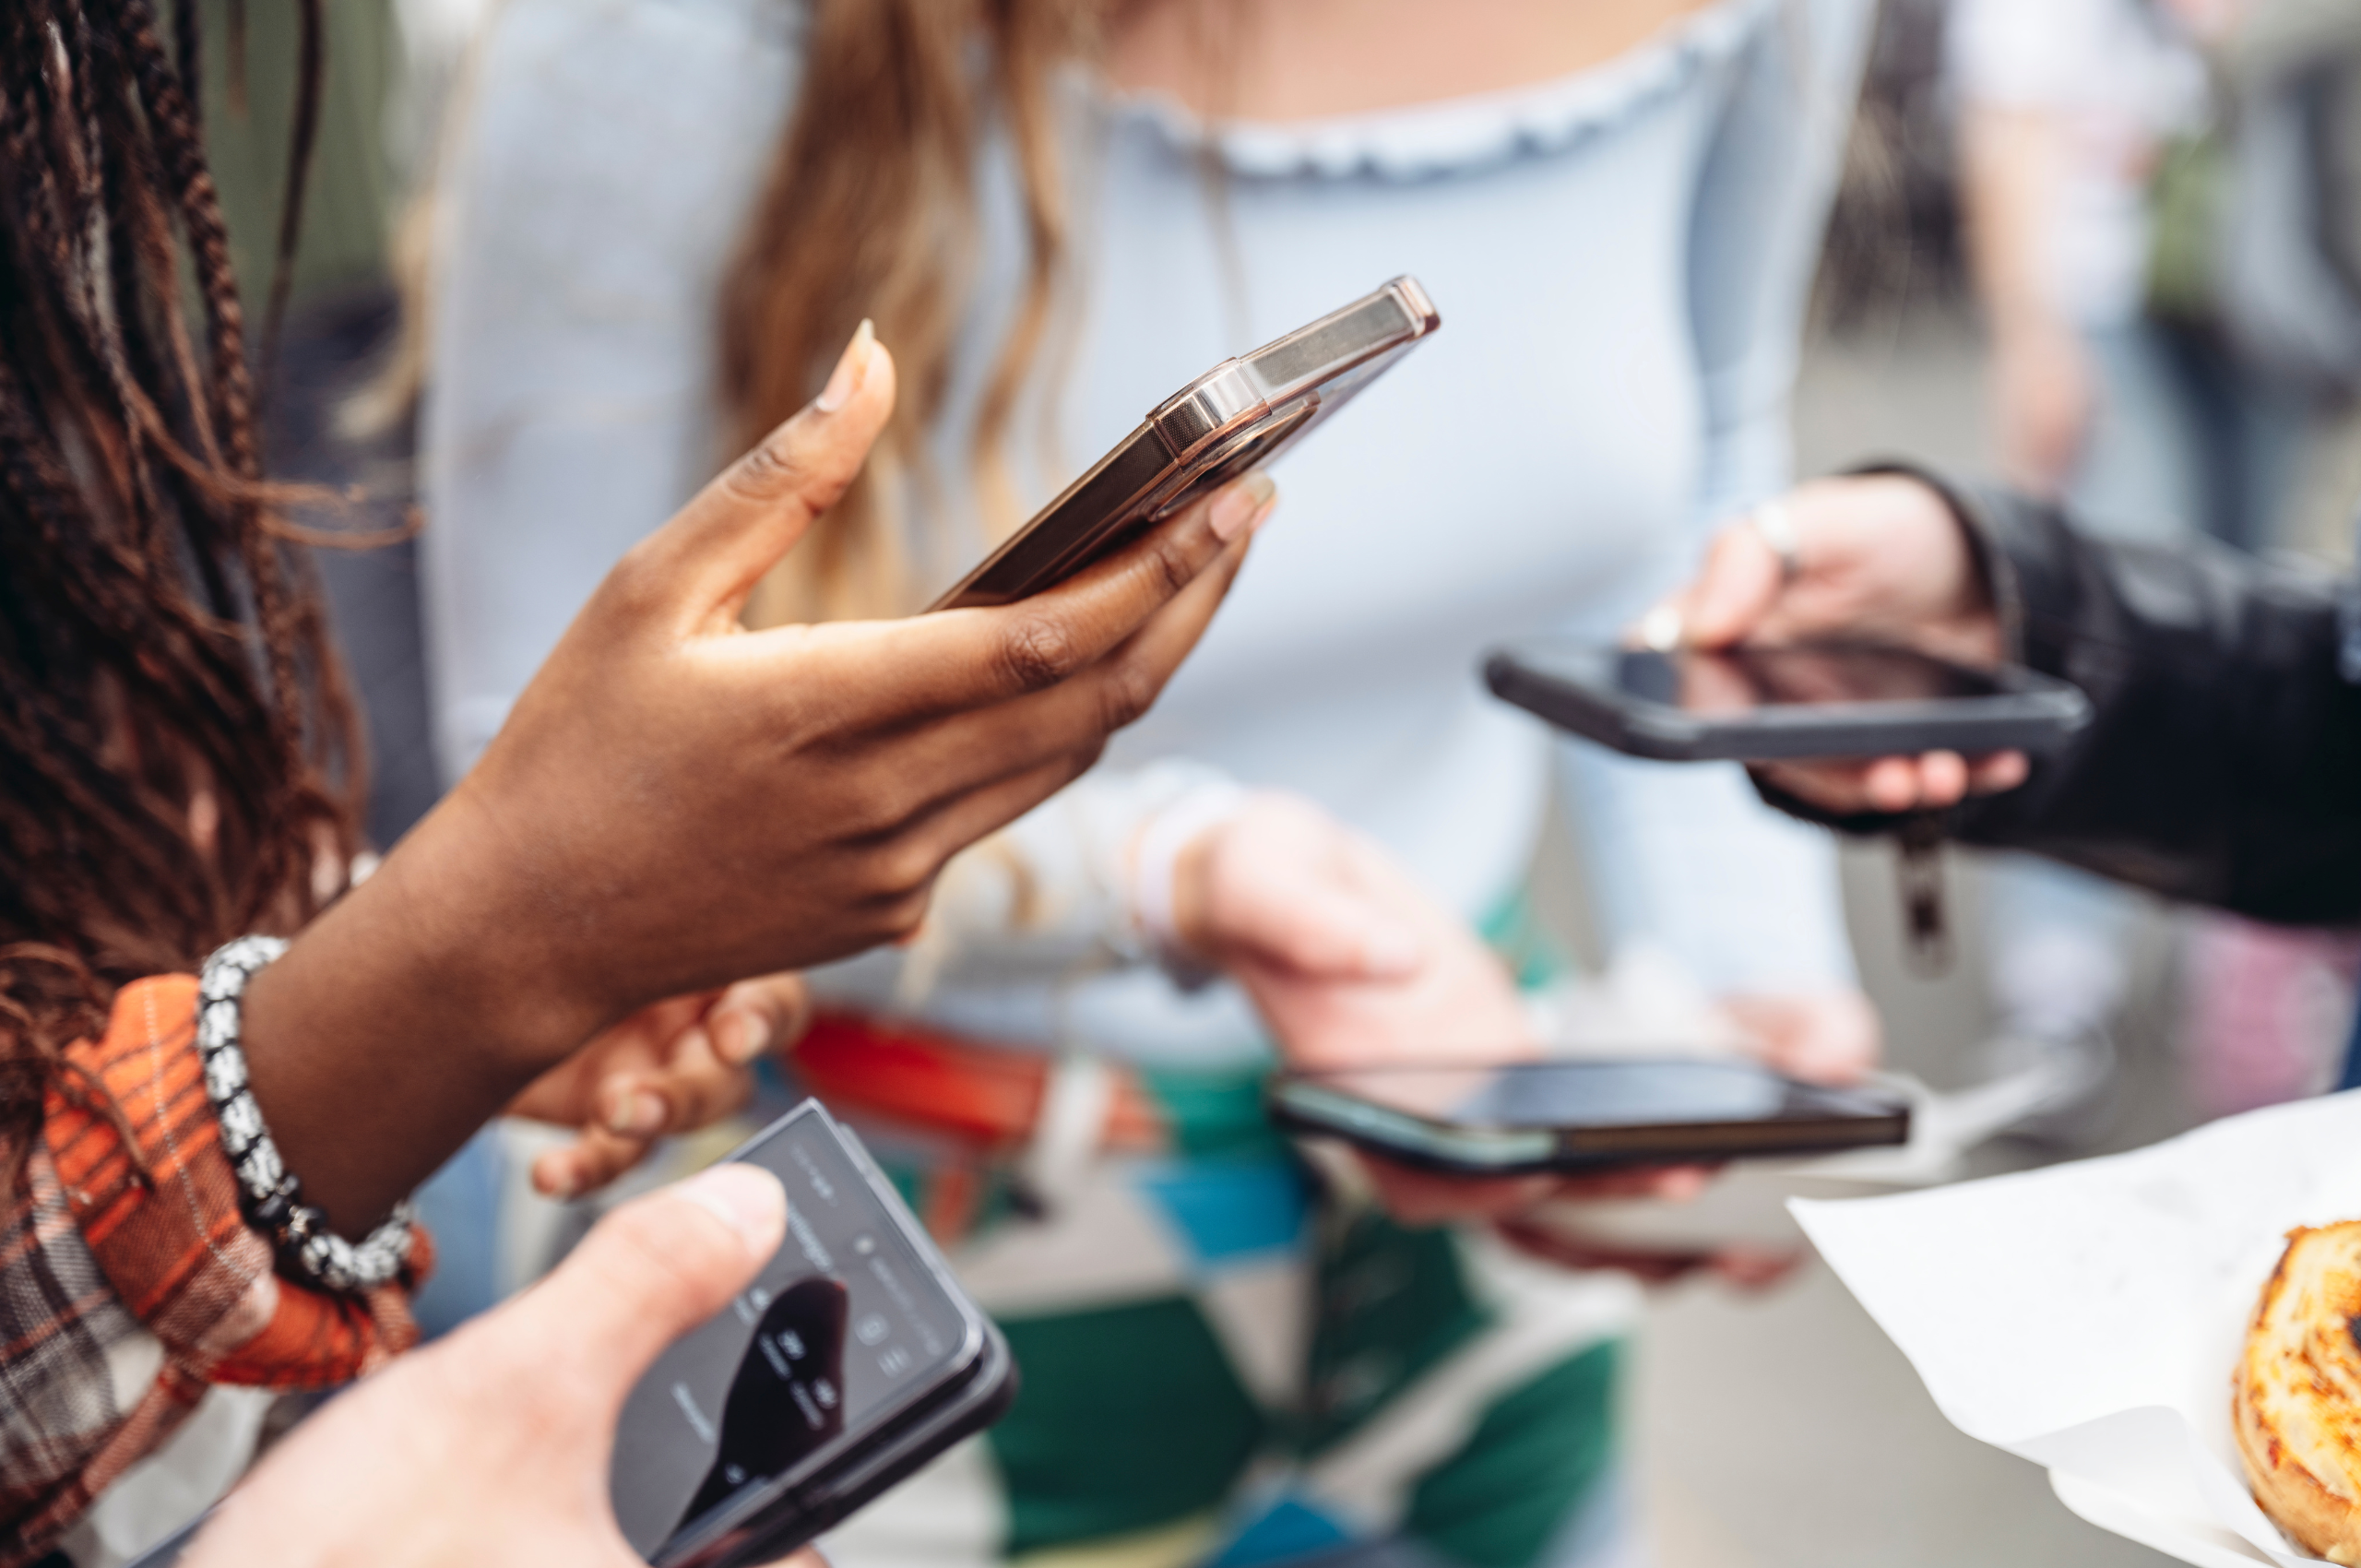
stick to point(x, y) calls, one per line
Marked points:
point(130, 1282)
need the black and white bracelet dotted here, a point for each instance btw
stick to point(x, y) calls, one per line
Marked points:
point(269, 1194)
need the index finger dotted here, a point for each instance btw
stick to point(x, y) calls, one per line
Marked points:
point(1735, 589)
point(958, 660)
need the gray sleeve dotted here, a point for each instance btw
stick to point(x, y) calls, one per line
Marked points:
point(586, 209)
point(1682, 856)
point(1769, 174)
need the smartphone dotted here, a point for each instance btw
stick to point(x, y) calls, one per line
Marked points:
point(849, 1362)
point(1765, 703)
point(852, 1359)
point(1583, 1116)
point(1236, 417)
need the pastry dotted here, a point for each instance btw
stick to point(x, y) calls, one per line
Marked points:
point(2298, 1405)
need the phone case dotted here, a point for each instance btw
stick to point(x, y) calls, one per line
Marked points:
point(1573, 687)
point(1237, 416)
point(769, 1526)
point(1299, 1103)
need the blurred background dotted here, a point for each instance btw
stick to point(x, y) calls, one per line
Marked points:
point(1782, 1430)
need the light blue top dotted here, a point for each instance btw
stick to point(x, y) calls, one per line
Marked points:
point(1621, 259)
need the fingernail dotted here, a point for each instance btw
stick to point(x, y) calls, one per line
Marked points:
point(557, 1179)
point(1661, 628)
point(851, 365)
point(1391, 951)
point(638, 1115)
point(747, 1198)
point(1234, 513)
point(740, 1036)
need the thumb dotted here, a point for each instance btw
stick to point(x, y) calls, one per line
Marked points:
point(717, 547)
point(1738, 586)
point(650, 1272)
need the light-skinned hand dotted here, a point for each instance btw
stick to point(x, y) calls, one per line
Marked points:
point(1829, 1036)
point(493, 1445)
point(1881, 558)
point(1352, 965)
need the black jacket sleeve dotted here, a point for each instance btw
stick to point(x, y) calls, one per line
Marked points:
point(2222, 761)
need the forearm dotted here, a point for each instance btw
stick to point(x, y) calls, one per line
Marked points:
point(2008, 160)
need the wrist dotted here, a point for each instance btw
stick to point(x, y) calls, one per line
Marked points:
point(1974, 619)
point(501, 936)
point(406, 1015)
point(1172, 863)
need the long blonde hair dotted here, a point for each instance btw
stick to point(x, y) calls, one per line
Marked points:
point(870, 210)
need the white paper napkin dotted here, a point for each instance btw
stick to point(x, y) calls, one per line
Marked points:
point(2089, 1316)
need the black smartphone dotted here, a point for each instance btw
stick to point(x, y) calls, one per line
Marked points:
point(1583, 1115)
point(1237, 416)
point(852, 1359)
point(1765, 703)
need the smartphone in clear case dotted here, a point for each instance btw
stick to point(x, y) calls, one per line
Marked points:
point(1237, 416)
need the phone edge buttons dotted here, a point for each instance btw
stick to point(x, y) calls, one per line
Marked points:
point(1424, 317)
point(1220, 399)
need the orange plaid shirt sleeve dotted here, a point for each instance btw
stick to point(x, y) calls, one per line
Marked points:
point(130, 1282)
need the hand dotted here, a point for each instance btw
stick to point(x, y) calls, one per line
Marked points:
point(2044, 394)
point(1825, 1037)
point(1822, 1037)
point(676, 803)
point(682, 1063)
point(1746, 1265)
point(1881, 557)
point(493, 1445)
point(1352, 966)
point(1346, 959)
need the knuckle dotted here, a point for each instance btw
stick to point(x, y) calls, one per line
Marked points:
point(635, 583)
point(906, 869)
point(766, 472)
point(901, 799)
point(904, 916)
point(880, 809)
point(1081, 760)
point(1129, 691)
point(1039, 651)
point(1170, 559)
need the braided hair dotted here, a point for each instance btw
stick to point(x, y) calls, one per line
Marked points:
point(178, 754)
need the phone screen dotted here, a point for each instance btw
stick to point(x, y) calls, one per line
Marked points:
point(1741, 680)
point(1546, 1095)
point(844, 1323)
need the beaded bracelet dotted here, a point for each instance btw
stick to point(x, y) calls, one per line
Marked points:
point(269, 1194)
